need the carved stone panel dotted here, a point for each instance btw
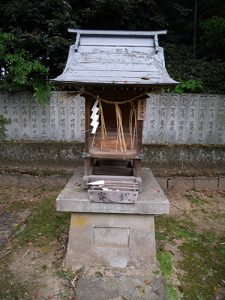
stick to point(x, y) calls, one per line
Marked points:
point(53, 117)
point(170, 118)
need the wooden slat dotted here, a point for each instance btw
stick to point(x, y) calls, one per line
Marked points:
point(118, 79)
point(109, 66)
point(111, 178)
point(116, 32)
point(119, 57)
point(107, 170)
point(117, 41)
point(116, 74)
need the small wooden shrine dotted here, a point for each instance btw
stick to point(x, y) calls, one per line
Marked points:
point(115, 71)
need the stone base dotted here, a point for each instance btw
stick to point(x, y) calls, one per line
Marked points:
point(132, 284)
point(113, 240)
point(112, 234)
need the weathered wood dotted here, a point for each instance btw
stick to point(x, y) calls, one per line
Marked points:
point(111, 178)
point(107, 170)
point(156, 42)
point(141, 109)
point(99, 51)
point(139, 136)
point(113, 154)
point(116, 41)
point(116, 32)
point(112, 73)
point(116, 67)
point(76, 45)
point(87, 123)
point(88, 166)
point(137, 167)
point(131, 181)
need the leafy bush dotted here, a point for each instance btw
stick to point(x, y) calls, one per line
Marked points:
point(189, 86)
point(19, 71)
point(183, 66)
point(213, 35)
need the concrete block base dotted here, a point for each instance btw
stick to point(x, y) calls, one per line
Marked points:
point(113, 240)
point(113, 235)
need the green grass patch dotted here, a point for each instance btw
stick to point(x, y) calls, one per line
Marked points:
point(168, 228)
point(204, 264)
point(166, 267)
point(203, 258)
point(66, 274)
point(196, 201)
point(165, 261)
point(45, 224)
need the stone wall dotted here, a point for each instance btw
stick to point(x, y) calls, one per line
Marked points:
point(170, 118)
point(158, 157)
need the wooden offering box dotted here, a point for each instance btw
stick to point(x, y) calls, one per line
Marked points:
point(115, 71)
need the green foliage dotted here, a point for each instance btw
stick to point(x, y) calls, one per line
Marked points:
point(20, 71)
point(189, 86)
point(40, 30)
point(66, 274)
point(183, 66)
point(213, 35)
point(42, 91)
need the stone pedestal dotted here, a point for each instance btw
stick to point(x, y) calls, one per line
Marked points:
point(114, 240)
point(110, 234)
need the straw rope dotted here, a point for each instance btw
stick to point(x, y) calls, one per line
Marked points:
point(120, 140)
point(120, 133)
point(104, 135)
point(133, 124)
point(113, 102)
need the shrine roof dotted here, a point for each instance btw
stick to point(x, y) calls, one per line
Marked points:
point(115, 57)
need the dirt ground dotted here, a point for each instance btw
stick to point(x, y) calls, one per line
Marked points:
point(33, 237)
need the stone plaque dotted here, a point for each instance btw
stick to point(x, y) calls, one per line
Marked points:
point(112, 237)
point(123, 197)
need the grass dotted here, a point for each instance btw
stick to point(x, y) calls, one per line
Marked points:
point(202, 253)
point(166, 267)
point(204, 263)
point(168, 228)
point(45, 224)
point(66, 274)
point(196, 200)
point(203, 258)
point(11, 288)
